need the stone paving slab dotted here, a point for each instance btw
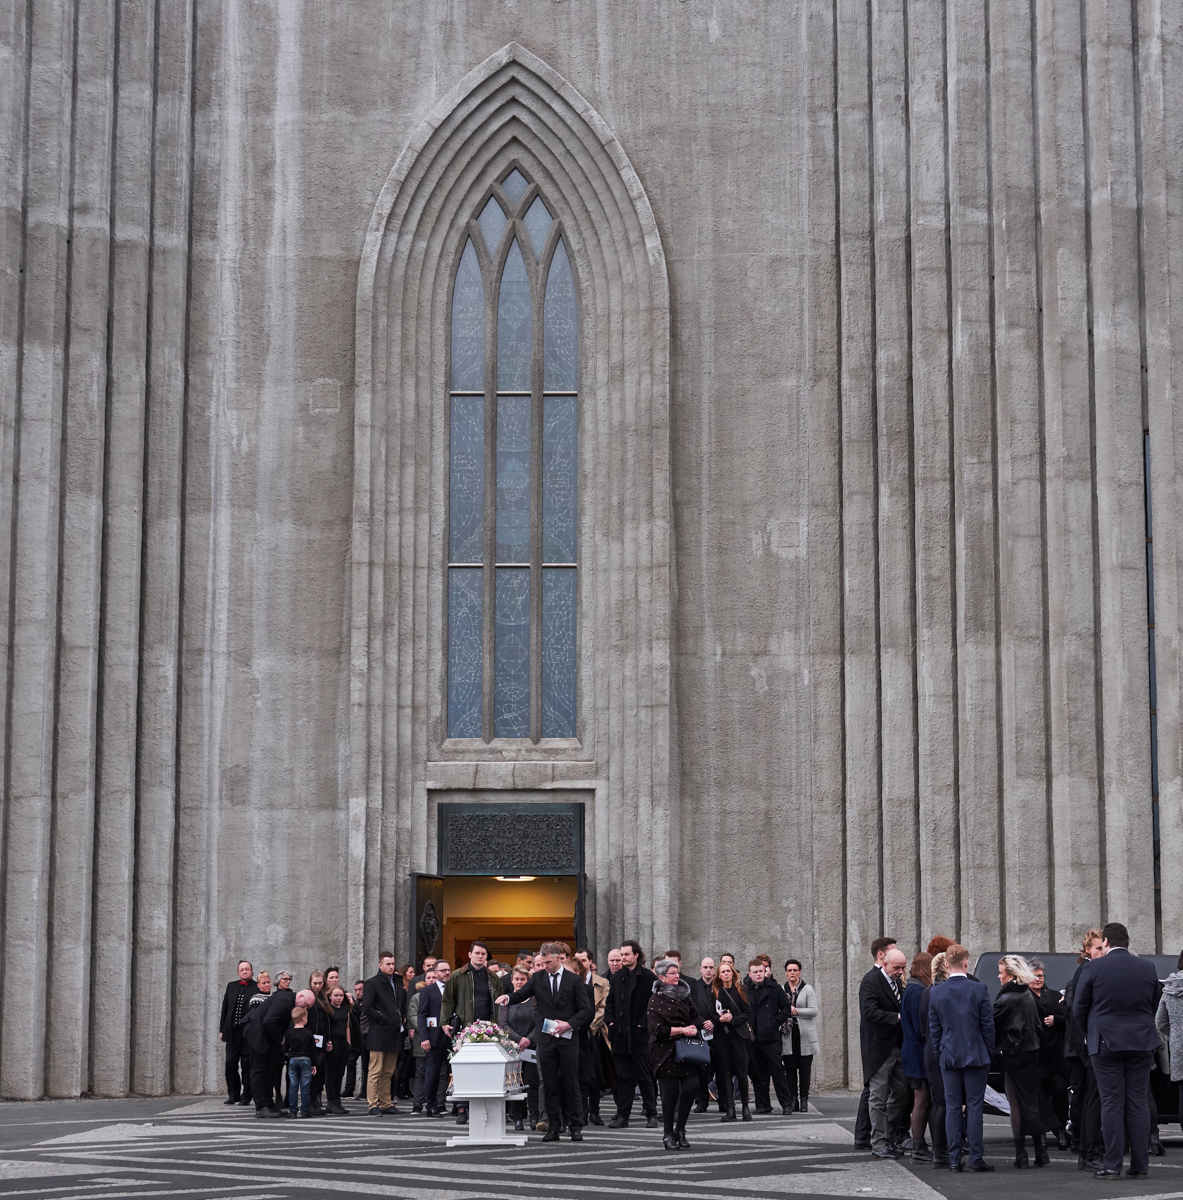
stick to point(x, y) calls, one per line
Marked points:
point(107, 1149)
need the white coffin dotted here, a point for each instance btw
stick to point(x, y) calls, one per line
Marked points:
point(481, 1069)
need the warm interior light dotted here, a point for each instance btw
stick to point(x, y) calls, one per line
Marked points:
point(514, 878)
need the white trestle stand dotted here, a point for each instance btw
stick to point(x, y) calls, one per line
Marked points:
point(485, 1076)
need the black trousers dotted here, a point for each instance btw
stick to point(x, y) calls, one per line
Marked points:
point(1123, 1079)
point(238, 1059)
point(351, 1070)
point(334, 1069)
point(1085, 1109)
point(765, 1063)
point(633, 1071)
point(677, 1099)
point(798, 1068)
point(730, 1054)
point(558, 1064)
point(862, 1122)
point(437, 1064)
point(265, 1071)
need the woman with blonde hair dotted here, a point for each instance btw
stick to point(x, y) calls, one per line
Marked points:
point(939, 971)
point(1017, 1040)
point(732, 1033)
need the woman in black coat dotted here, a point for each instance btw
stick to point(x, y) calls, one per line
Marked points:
point(672, 1015)
point(1017, 1040)
point(732, 1034)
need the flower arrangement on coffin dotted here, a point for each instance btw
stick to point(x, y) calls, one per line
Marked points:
point(485, 1031)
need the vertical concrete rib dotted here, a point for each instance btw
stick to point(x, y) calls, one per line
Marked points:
point(115, 822)
point(936, 711)
point(1120, 531)
point(44, 324)
point(1072, 729)
point(161, 588)
point(15, 79)
point(823, 424)
point(859, 490)
point(974, 488)
point(81, 560)
point(1160, 99)
point(894, 468)
point(1020, 479)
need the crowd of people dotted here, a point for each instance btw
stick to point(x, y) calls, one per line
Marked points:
point(1075, 1066)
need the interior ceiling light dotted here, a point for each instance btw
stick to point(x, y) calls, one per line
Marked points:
point(514, 878)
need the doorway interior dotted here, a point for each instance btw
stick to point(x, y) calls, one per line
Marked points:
point(509, 914)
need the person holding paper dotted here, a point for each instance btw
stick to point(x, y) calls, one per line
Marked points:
point(563, 1007)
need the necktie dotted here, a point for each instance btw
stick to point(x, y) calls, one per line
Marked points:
point(554, 986)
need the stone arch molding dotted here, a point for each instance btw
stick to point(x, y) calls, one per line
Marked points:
point(513, 108)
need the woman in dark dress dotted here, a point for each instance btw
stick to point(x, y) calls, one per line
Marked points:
point(672, 1015)
point(932, 1069)
point(338, 1049)
point(1017, 1040)
point(913, 1052)
point(732, 1033)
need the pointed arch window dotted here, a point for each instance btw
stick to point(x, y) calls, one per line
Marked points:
point(512, 495)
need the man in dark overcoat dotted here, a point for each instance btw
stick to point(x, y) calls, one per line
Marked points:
point(235, 1004)
point(881, 1038)
point(626, 1014)
point(384, 1003)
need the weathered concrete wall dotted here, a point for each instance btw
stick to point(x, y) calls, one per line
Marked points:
point(921, 308)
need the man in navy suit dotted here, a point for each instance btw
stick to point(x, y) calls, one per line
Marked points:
point(1114, 1007)
point(433, 1039)
point(961, 1028)
point(564, 1008)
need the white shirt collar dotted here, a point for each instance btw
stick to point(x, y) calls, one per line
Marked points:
point(558, 972)
point(958, 975)
point(440, 985)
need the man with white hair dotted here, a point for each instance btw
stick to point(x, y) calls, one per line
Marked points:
point(881, 1038)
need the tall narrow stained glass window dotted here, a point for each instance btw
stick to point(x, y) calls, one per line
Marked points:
point(513, 415)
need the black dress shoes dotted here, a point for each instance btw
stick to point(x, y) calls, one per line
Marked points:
point(232, 1100)
point(551, 1135)
point(518, 1126)
point(957, 1166)
point(670, 1142)
point(1132, 1174)
point(594, 1119)
point(577, 1135)
point(618, 1122)
point(1103, 1174)
point(650, 1122)
point(981, 1166)
point(886, 1155)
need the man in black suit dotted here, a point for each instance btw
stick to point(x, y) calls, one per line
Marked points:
point(563, 1001)
point(235, 1004)
point(1114, 1005)
point(862, 1122)
point(432, 1038)
point(881, 1036)
point(383, 1002)
point(264, 1032)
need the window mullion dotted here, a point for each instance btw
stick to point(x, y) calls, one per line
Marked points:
point(489, 575)
point(536, 429)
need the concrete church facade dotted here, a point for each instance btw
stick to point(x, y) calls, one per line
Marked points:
point(845, 352)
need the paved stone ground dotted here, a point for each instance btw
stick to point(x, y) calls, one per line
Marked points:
point(104, 1149)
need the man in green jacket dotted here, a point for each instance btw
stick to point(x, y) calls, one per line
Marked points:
point(469, 996)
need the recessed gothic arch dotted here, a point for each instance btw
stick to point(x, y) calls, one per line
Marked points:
point(512, 109)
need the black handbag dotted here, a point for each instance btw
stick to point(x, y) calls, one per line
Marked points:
point(693, 1051)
